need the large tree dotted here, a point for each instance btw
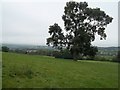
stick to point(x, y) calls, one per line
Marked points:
point(81, 25)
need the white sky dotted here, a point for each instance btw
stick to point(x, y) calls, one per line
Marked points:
point(27, 21)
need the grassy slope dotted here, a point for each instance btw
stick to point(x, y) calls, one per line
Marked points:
point(41, 71)
point(0, 70)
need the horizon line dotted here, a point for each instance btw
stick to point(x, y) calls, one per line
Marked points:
point(46, 45)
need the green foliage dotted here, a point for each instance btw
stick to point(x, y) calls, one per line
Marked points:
point(57, 36)
point(63, 54)
point(66, 54)
point(117, 58)
point(46, 52)
point(91, 52)
point(50, 72)
point(5, 49)
point(81, 25)
point(57, 54)
point(19, 51)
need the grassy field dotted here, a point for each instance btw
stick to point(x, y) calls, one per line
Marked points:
point(33, 71)
point(0, 70)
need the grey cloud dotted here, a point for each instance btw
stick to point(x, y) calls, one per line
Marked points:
point(29, 22)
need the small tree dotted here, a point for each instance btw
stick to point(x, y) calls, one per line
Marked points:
point(5, 49)
point(81, 25)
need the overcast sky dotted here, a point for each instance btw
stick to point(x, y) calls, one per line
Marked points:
point(27, 21)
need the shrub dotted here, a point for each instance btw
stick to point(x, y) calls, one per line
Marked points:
point(66, 54)
point(63, 54)
point(5, 49)
point(115, 59)
point(57, 54)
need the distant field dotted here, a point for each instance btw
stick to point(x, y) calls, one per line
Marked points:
point(33, 71)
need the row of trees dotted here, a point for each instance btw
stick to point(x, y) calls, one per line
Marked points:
point(81, 25)
point(24, 51)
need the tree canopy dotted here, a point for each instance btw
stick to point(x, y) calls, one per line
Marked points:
point(81, 23)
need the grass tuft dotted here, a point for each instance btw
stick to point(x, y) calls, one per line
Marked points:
point(21, 71)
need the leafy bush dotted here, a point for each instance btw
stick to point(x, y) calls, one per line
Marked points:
point(63, 54)
point(57, 54)
point(115, 59)
point(45, 52)
point(5, 49)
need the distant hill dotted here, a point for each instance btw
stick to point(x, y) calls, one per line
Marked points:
point(111, 51)
point(102, 50)
point(18, 46)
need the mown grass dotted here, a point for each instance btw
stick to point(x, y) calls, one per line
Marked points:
point(33, 71)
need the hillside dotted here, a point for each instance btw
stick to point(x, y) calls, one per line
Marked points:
point(33, 71)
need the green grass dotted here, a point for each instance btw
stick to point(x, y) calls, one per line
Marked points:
point(0, 70)
point(33, 71)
